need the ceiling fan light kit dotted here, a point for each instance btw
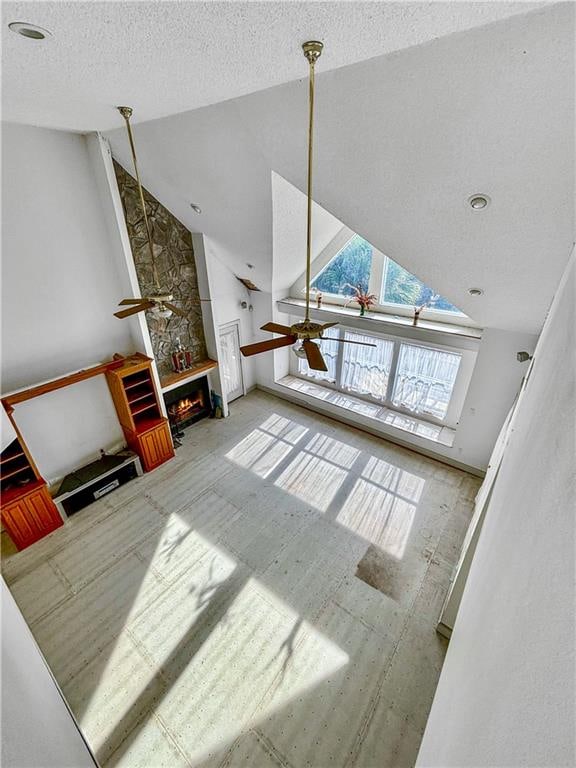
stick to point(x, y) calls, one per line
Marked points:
point(159, 303)
point(300, 336)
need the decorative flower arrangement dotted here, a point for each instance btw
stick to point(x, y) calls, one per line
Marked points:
point(365, 300)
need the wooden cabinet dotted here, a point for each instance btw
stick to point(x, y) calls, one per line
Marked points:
point(29, 513)
point(138, 406)
point(154, 446)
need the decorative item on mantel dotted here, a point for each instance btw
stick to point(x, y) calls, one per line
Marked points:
point(361, 297)
point(181, 357)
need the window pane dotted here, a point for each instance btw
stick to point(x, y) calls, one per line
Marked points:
point(366, 369)
point(329, 353)
point(349, 267)
point(401, 287)
point(425, 379)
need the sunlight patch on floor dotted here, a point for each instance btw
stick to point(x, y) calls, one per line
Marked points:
point(265, 447)
point(378, 516)
point(394, 479)
point(313, 480)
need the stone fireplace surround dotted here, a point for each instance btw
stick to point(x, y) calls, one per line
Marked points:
point(174, 256)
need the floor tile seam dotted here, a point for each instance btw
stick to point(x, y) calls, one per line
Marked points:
point(57, 548)
point(271, 688)
point(144, 717)
point(96, 650)
point(94, 525)
point(167, 584)
point(70, 594)
point(172, 738)
point(377, 696)
point(329, 599)
point(358, 618)
point(165, 512)
point(78, 590)
point(93, 576)
point(282, 550)
point(146, 657)
point(271, 749)
point(214, 489)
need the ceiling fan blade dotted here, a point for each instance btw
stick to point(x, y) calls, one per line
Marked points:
point(329, 325)
point(266, 346)
point(132, 301)
point(176, 310)
point(349, 341)
point(275, 328)
point(314, 356)
point(134, 310)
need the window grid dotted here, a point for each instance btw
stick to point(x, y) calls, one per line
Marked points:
point(419, 380)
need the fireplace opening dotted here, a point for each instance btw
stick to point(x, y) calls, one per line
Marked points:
point(187, 404)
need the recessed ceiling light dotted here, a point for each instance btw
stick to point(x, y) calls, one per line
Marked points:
point(475, 291)
point(478, 202)
point(195, 208)
point(30, 31)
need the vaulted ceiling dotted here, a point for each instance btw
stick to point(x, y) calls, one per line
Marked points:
point(403, 140)
point(166, 57)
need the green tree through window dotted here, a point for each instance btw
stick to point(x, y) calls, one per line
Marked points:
point(350, 266)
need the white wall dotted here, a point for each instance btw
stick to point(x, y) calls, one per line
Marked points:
point(60, 287)
point(226, 293)
point(506, 695)
point(289, 209)
point(38, 730)
point(494, 385)
point(67, 428)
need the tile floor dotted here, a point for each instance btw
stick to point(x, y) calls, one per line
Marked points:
point(208, 614)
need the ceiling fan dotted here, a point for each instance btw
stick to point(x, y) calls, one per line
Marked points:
point(302, 334)
point(159, 302)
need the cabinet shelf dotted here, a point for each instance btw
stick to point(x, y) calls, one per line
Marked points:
point(139, 409)
point(13, 471)
point(6, 459)
point(137, 399)
point(137, 383)
point(142, 408)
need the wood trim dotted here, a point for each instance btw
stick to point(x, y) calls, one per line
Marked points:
point(9, 410)
point(64, 381)
point(170, 380)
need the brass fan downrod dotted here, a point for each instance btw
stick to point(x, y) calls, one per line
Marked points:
point(126, 113)
point(312, 51)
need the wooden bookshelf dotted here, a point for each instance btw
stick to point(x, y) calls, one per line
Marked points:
point(138, 406)
point(28, 512)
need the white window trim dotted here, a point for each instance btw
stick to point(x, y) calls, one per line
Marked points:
point(338, 243)
point(463, 377)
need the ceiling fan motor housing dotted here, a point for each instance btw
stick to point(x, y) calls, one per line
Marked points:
point(307, 330)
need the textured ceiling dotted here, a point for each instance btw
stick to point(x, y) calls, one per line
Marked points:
point(402, 141)
point(167, 57)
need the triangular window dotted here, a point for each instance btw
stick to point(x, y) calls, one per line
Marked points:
point(358, 264)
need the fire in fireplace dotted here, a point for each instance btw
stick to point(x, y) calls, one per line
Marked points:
point(187, 403)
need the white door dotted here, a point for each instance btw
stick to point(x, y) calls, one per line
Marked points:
point(230, 361)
